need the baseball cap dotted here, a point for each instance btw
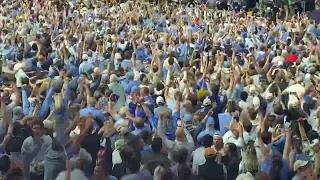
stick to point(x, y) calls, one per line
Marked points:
point(120, 144)
point(210, 152)
point(134, 89)
point(48, 124)
point(298, 164)
point(85, 56)
point(129, 75)
point(206, 102)
point(160, 100)
point(17, 113)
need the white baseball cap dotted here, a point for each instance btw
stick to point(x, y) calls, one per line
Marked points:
point(298, 164)
point(160, 100)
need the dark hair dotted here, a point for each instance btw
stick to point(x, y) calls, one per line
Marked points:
point(247, 125)
point(170, 61)
point(16, 128)
point(276, 166)
point(37, 122)
point(5, 163)
point(19, 57)
point(184, 172)
point(313, 135)
point(142, 76)
point(156, 145)
point(127, 153)
point(244, 96)
point(207, 141)
point(266, 137)
point(134, 165)
point(180, 155)
point(233, 150)
point(56, 146)
point(145, 135)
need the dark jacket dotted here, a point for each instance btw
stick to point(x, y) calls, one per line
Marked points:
point(211, 170)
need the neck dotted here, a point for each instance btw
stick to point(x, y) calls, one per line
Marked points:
point(180, 139)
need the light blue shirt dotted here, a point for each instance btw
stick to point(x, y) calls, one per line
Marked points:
point(207, 132)
point(95, 112)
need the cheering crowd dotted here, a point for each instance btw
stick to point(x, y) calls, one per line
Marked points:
point(138, 91)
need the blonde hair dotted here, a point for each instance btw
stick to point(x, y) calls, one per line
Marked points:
point(251, 160)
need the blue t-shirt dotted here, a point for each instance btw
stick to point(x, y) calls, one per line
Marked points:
point(284, 171)
point(170, 129)
point(279, 145)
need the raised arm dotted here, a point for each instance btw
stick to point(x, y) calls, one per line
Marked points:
point(161, 132)
point(25, 102)
point(262, 147)
point(287, 145)
point(43, 111)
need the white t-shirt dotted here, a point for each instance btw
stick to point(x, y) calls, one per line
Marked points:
point(20, 74)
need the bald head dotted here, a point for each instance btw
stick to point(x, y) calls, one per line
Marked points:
point(123, 111)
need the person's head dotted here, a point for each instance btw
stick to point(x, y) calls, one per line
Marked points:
point(210, 153)
point(251, 159)
point(113, 78)
point(218, 141)
point(37, 128)
point(276, 165)
point(266, 137)
point(155, 68)
point(184, 172)
point(96, 72)
point(231, 149)
point(126, 153)
point(247, 126)
point(161, 173)
point(92, 102)
point(144, 91)
point(136, 142)
point(146, 136)
point(19, 57)
point(170, 61)
point(180, 135)
point(244, 96)
point(5, 163)
point(139, 123)
point(187, 104)
point(156, 145)
point(261, 175)
point(84, 166)
point(234, 130)
point(180, 155)
point(48, 127)
point(207, 141)
point(300, 166)
point(160, 101)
